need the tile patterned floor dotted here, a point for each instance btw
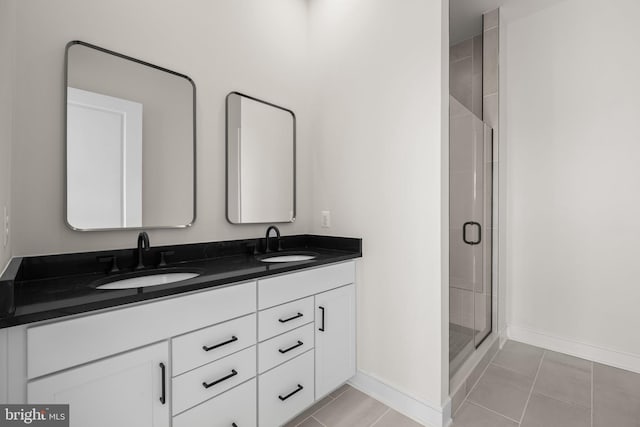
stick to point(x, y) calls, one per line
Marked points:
point(348, 407)
point(523, 386)
point(530, 387)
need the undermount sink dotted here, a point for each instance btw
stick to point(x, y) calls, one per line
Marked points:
point(288, 257)
point(144, 281)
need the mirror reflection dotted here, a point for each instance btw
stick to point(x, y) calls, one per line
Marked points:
point(130, 142)
point(260, 161)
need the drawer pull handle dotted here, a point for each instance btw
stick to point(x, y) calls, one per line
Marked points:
point(232, 374)
point(291, 348)
point(291, 318)
point(291, 394)
point(233, 339)
point(321, 328)
point(163, 397)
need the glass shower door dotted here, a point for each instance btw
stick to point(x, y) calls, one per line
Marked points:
point(470, 232)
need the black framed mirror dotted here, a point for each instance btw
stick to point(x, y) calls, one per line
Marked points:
point(130, 142)
point(261, 161)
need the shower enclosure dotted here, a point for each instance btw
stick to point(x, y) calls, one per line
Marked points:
point(470, 233)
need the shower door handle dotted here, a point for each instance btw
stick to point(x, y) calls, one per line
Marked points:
point(464, 233)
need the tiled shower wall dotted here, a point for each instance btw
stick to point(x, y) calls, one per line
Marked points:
point(474, 84)
point(467, 263)
point(465, 73)
point(490, 115)
point(490, 72)
point(473, 71)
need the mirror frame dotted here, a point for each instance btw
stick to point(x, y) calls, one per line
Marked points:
point(226, 147)
point(66, 171)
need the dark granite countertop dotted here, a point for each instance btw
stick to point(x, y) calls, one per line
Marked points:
point(55, 286)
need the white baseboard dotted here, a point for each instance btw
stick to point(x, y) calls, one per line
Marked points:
point(618, 359)
point(504, 336)
point(424, 413)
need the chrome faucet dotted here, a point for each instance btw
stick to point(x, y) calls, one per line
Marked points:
point(272, 227)
point(143, 244)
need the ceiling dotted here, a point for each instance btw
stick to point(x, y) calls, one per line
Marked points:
point(465, 16)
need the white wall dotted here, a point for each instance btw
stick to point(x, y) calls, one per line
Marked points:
point(7, 78)
point(378, 167)
point(256, 47)
point(573, 214)
point(375, 126)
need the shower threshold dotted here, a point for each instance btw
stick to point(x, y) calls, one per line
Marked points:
point(460, 346)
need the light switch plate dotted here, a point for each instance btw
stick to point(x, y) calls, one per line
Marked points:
point(325, 219)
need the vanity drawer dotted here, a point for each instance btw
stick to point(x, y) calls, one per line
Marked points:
point(283, 318)
point(189, 388)
point(237, 406)
point(284, 347)
point(60, 345)
point(206, 345)
point(286, 390)
point(288, 287)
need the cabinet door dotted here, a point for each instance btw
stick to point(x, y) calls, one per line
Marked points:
point(128, 390)
point(335, 338)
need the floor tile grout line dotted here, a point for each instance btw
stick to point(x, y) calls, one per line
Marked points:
point(557, 399)
point(341, 393)
point(333, 399)
point(535, 379)
point(380, 417)
point(511, 369)
point(492, 411)
point(319, 422)
point(317, 410)
point(592, 381)
point(466, 396)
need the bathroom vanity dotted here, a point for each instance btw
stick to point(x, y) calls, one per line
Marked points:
point(245, 343)
point(228, 334)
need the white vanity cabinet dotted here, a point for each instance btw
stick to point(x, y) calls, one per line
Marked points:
point(335, 338)
point(126, 390)
point(304, 355)
point(246, 355)
point(114, 367)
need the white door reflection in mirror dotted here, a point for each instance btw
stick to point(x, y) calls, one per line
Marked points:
point(104, 161)
point(131, 142)
point(260, 161)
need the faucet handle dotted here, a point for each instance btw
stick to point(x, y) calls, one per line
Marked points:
point(253, 248)
point(163, 255)
point(113, 260)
